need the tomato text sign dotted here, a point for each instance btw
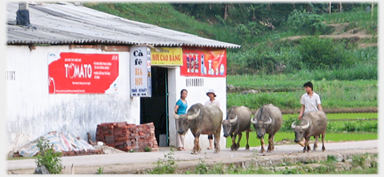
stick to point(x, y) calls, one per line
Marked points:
point(76, 73)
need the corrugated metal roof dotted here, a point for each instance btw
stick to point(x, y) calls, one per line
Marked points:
point(66, 23)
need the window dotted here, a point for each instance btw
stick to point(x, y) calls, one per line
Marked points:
point(195, 82)
point(11, 75)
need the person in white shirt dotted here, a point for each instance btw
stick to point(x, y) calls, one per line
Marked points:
point(309, 101)
point(212, 101)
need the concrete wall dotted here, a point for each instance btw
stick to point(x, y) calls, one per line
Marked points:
point(33, 112)
point(196, 94)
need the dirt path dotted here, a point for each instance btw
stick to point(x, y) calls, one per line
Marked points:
point(138, 163)
point(341, 33)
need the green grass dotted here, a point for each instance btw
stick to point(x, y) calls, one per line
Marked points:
point(164, 15)
point(336, 130)
point(294, 81)
point(359, 17)
point(285, 91)
point(291, 100)
point(354, 116)
point(290, 136)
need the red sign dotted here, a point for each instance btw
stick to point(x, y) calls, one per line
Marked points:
point(204, 62)
point(75, 73)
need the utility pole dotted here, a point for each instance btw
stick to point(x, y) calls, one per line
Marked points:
point(329, 8)
point(341, 7)
point(372, 5)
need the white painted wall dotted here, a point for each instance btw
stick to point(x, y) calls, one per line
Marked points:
point(196, 94)
point(33, 112)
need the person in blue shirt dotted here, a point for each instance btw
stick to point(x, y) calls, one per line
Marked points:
point(181, 108)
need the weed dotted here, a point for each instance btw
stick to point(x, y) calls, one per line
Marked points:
point(48, 157)
point(166, 165)
point(331, 158)
point(100, 170)
point(217, 169)
point(325, 169)
point(359, 160)
point(147, 148)
point(202, 167)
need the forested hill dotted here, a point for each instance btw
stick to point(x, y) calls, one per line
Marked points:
point(229, 22)
point(272, 34)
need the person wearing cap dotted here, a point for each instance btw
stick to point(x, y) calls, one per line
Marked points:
point(310, 101)
point(212, 101)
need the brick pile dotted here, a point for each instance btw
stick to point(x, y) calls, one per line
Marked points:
point(128, 137)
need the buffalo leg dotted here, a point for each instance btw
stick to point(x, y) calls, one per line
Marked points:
point(233, 147)
point(322, 140)
point(271, 146)
point(315, 144)
point(262, 145)
point(217, 141)
point(306, 145)
point(247, 138)
point(196, 147)
point(238, 140)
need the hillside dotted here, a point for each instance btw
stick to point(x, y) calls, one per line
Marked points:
point(230, 30)
point(266, 37)
point(361, 37)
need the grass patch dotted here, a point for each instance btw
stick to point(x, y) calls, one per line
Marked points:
point(333, 93)
point(336, 116)
point(290, 136)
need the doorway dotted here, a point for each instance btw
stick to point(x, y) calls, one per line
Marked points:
point(155, 109)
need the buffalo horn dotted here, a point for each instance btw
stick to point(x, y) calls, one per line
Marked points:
point(190, 117)
point(293, 126)
point(233, 120)
point(175, 116)
point(253, 120)
point(269, 121)
point(305, 126)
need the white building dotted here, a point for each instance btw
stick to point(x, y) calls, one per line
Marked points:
point(70, 68)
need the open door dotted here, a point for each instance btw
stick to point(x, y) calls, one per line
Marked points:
point(154, 109)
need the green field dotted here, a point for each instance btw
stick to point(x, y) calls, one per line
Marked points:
point(284, 91)
point(354, 129)
point(288, 138)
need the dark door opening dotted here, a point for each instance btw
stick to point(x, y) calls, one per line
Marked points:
point(154, 109)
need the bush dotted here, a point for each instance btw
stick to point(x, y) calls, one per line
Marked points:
point(322, 53)
point(48, 157)
point(306, 23)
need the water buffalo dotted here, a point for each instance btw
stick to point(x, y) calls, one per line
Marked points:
point(267, 119)
point(201, 119)
point(314, 124)
point(238, 121)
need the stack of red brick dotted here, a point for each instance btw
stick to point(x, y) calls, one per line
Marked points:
point(128, 137)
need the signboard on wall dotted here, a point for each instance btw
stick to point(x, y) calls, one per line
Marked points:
point(78, 73)
point(170, 56)
point(140, 61)
point(204, 62)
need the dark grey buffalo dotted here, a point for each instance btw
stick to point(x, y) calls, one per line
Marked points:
point(238, 120)
point(267, 119)
point(201, 119)
point(314, 124)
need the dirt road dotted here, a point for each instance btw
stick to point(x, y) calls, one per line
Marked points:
point(136, 163)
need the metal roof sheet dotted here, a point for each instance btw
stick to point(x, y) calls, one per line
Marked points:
point(66, 23)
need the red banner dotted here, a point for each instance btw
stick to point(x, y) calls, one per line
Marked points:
point(75, 73)
point(204, 62)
